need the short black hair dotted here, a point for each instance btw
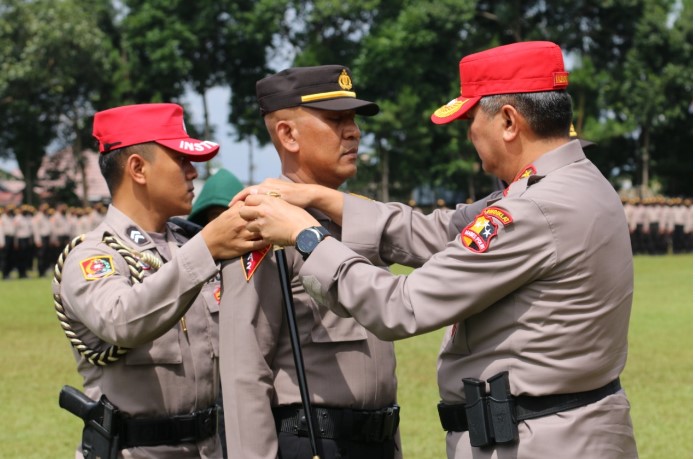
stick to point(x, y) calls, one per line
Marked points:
point(112, 163)
point(549, 113)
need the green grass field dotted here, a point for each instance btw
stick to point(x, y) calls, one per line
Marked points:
point(36, 362)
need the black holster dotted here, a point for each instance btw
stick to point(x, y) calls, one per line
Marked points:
point(490, 417)
point(101, 423)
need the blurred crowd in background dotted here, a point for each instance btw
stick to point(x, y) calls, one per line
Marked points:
point(660, 225)
point(31, 239)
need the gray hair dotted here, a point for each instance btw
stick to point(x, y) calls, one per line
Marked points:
point(549, 113)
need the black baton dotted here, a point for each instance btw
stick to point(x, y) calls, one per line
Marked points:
point(286, 284)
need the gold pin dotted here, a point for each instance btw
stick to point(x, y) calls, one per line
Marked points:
point(183, 326)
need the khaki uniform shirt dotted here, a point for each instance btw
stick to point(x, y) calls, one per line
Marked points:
point(346, 366)
point(168, 371)
point(540, 286)
point(41, 226)
point(7, 224)
point(688, 220)
point(22, 227)
point(60, 225)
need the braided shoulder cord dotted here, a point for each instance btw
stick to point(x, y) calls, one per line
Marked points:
point(113, 352)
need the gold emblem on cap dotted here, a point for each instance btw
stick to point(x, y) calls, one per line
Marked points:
point(450, 108)
point(344, 80)
point(573, 132)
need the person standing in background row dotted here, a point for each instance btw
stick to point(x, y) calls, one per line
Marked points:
point(7, 221)
point(60, 228)
point(41, 227)
point(23, 240)
point(142, 285)
point(310, 115)
point(2, 240)
point(536, 291)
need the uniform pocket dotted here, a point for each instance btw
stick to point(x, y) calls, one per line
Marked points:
point(458, 339)
point(329, 327)
point(211, 296)
point(162, 351)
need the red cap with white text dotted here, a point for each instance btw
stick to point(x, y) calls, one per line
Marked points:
point(128, 125)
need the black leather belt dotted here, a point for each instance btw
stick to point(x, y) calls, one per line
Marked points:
point(453, 417)
point(338, 423)
point(187, 428)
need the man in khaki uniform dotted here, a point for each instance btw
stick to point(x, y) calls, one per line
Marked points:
point(23, 240)
point(166, 384)
point(536, 291)
point(9, 257)
point(310, 114)
point(41, 226)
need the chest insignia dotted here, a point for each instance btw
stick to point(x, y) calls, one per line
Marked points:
point(218, 294)
point(97, 267)
point(251, 261)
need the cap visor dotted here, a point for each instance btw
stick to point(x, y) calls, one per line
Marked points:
point(361, 107)
point(195, 150)
point(453, 110)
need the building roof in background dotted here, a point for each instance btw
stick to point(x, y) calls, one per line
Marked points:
point(60, 166)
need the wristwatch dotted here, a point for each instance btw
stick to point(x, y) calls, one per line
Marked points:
point(309, 238)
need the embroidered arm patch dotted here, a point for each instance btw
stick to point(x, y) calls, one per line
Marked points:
point(95, 268)
point(477, 236)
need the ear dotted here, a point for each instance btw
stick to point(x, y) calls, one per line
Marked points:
point(287, 135)
point(512, 122)
point(137, 168)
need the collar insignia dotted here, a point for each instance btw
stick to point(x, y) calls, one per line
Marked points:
point(136, 235)
point(528, 172)
point(250, 261)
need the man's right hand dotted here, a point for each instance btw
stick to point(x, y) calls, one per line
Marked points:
point(327, 200)
point(227, 237)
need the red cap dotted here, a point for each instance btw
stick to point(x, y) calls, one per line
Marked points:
point(161, 123)
point(531, 66)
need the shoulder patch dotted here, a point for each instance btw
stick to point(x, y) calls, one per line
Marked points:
point(250, 261)
point(500, 214)
point(97, 267)
point(477, 235)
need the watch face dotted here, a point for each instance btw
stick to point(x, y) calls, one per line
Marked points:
point(307, 240)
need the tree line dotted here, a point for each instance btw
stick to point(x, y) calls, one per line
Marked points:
point(630, 61)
